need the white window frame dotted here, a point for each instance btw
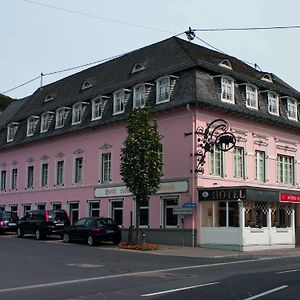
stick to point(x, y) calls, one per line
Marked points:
point(3, 180)
point(78, 169)
point(227, 89)
point(106, 176)
point(260, 165)
point(292, 112)
point(217, 163)
point(164, 208)
point(44, 174)
point(60, 116)
point(31, 124)
point(97, 104)
point(285, 169)
point(14, 178)
point(11, 131)
point(163, 89)
point(112, 209)
point(239, 162)
point(119, 102)
point(251, 96)
point(91, 209)
point(77, 112)
point(60, 175)
point(139, 96)
point(273, 103)
point(29, 177)
point(45, 121)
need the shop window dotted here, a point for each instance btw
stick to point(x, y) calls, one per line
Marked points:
point(256, 214)
point(170, 220)
point(220, 214)
point(281, 215)
point(117, 211)
point(74, 212)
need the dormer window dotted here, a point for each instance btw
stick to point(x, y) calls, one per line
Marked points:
point(120, 100)
point(227, 89)
point(31, 125)
point(77, 112)
point(268, 78)
point(61, 115)
point(48, 98)
point(45, 120)
point(292, 108)
point(140, 94)
point(226, 63)
point(87, 84)
point(251, 96)
point(11, 131)
point(138, 67)
point(98, 104)
point(273, 103)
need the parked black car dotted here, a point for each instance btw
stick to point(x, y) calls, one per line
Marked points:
point(8, 221)
point(43, 223)
point(93, 230)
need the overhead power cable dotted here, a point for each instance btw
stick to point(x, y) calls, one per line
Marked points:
point(95, 16)
point(247, 28)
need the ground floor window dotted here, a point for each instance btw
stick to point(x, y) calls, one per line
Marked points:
point(14, 207)
point(26, 208)
point(256, 214)
point(220, 214)
point(117, 211)
point(2, 207)
point(144, 213)
point(41, 206)
point(170, 219)
point(56, 206)
point(281, 215)
point(74, 212)
point(94, 209)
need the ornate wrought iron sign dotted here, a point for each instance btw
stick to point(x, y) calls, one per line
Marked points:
point(215, 134)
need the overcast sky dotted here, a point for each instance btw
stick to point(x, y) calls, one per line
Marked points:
point(36, 38)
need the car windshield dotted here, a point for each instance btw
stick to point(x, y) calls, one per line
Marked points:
point(8, 215)
point(59, 215)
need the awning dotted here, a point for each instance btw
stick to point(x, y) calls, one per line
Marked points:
point(246, 193)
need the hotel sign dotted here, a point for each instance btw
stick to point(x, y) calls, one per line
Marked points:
point(222, 194)
point(164, 188)
point(286, 197)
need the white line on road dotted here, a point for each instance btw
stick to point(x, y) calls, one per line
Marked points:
point(288, 271)
point(179, 289)
point(51, 284)
point(267, 292)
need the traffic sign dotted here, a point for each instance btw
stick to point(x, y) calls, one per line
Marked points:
point(190, 205)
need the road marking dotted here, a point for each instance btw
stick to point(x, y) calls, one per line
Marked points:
point(267, 292)
point(288, 271)
point(83, 265)
point(179, 289)
point(51, 284)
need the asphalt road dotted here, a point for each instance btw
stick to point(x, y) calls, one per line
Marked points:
point(42, 270)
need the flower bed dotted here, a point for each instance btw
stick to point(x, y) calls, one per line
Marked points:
point(145, 247)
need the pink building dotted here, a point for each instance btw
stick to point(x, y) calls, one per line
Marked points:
point(60, 148)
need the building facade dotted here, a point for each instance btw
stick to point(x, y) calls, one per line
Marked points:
point(60, 148)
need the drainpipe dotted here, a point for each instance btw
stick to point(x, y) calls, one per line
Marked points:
point(193, 171)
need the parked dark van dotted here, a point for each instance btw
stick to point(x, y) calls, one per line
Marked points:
point(43, 223)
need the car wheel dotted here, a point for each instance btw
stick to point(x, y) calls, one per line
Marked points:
point(38, 234)
point(91, 240)
point(66, 238)
point(20, 233)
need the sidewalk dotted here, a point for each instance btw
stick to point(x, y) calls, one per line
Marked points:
point(217, 253)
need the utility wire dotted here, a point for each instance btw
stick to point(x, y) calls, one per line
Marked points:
point(27, 82)
point(247, 28)
point(95, 16)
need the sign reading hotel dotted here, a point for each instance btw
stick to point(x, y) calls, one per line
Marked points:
point(164, 188)
point(285, 197)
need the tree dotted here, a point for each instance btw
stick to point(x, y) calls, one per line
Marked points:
point(141, 159)
point(4, 102)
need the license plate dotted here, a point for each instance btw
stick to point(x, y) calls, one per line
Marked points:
point(12, 224)
point(110, 231)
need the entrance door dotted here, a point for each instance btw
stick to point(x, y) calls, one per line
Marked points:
point(74, 212)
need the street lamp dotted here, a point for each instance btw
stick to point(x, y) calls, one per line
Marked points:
point(215, 134)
